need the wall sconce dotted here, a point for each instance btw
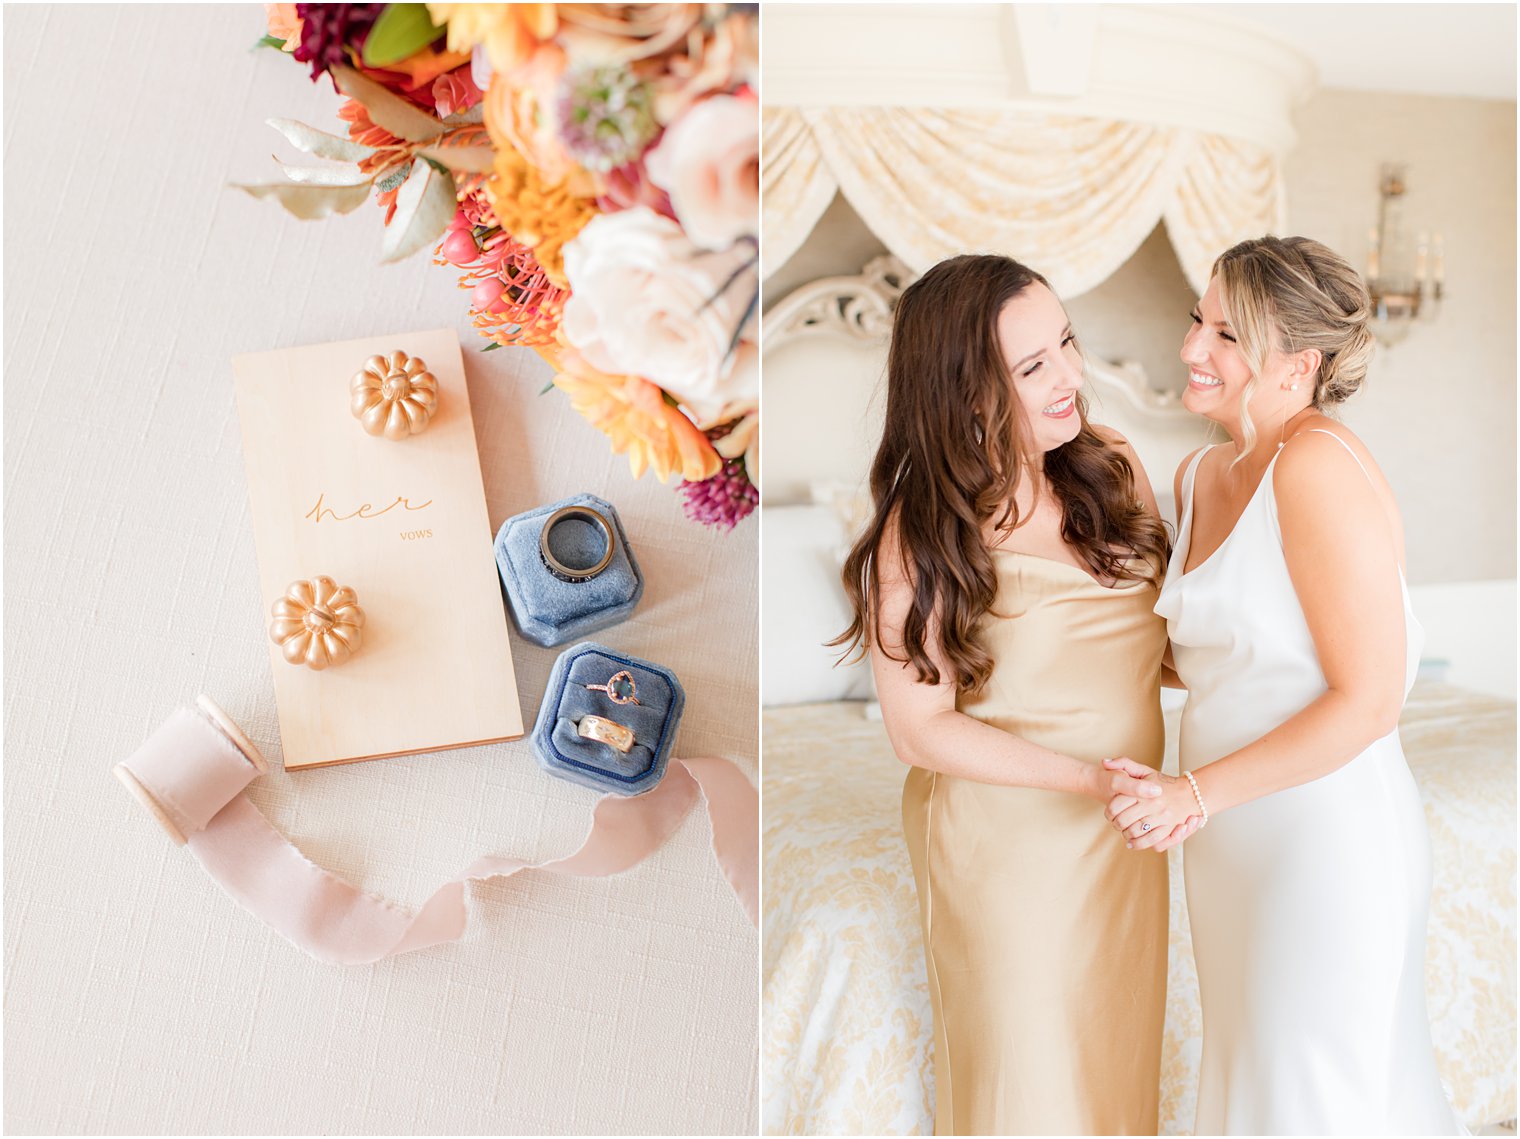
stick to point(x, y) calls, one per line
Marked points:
point(1407, 279)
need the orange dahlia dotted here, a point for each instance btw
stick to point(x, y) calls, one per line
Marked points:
point(539, 214)
point(635, 415)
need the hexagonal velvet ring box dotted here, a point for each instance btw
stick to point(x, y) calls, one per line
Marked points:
point(608, 720)
point(567, 569)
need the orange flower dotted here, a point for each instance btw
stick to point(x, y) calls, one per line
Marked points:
point(419, 69)
point(540, 214)
point(613, 34)
point(284, 23)
point(635, 415)
point(519, 114)
point(389, 150)
point(511, 33)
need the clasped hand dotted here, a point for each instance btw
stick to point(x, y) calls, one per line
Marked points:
point(1170, 812)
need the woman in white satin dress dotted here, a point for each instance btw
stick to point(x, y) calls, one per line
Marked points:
point(1308, 877)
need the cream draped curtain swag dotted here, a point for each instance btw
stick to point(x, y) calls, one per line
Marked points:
point(1072, 197)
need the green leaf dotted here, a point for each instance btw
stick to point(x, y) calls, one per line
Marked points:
point(269, 41)
point(309, 202)
point(392, 178)
point(491, 347)
point(425, 205)
point(547, 388)
point(320, 144)
point(461, 159)
point(388, 110)
point(401, 31)
point(475, 115)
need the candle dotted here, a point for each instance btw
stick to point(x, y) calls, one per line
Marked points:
point(1372, 255)
point(1419, 258)
point(1440, 260)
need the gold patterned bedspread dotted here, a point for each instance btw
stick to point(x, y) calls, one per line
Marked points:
point(847, 1028)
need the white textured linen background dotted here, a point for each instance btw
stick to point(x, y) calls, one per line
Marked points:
point(139, 997)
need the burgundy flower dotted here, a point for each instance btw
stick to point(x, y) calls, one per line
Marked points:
point(722, 500)
point(328, 30)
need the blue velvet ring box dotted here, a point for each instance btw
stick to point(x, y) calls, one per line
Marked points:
point(548, 611)
point(653, 720)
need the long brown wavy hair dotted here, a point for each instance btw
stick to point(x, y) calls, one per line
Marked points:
point(952, 449)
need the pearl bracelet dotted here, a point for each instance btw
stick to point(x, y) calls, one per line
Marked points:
point(1193, 783)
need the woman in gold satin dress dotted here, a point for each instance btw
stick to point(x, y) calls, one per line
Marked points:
point(1005, 589)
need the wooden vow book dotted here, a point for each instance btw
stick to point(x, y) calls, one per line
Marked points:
point(404, 523)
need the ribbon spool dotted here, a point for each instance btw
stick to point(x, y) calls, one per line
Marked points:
point(192, 772)
point(186, 800)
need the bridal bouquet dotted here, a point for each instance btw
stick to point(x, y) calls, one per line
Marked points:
point(592, 170)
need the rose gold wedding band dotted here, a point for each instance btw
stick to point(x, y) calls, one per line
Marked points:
point(605, 731)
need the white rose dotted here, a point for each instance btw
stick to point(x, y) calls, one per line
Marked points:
point(645, 301)
point(708, 161)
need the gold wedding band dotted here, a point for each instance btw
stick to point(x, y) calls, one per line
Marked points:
point(605, 731)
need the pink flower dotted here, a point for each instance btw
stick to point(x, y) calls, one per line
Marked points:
point(723, 500)
point(709, 163)
point(629, 186)
point(645, 301)
point(455, 91)
point(726, 60)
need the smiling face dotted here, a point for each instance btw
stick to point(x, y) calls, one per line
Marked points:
point(1044, 365)
point(1219, 373)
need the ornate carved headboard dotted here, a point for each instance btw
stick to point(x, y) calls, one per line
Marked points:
point(825, 365)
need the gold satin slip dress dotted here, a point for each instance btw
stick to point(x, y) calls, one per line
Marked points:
point(1045, 938)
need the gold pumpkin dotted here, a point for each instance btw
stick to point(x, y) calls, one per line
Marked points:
point(317, 623)
point(393, 395)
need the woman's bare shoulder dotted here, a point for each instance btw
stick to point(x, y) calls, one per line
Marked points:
point(1321, 471)
point(1310, 452)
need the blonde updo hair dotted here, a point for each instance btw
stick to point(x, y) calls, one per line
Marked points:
point(1291, 294)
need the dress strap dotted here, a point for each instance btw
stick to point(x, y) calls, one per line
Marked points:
point(1349, 451)
point(1185, 507)
point(1365, 471)
point(1192, 470)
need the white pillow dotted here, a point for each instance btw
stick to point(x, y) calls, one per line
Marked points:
point(803, 605)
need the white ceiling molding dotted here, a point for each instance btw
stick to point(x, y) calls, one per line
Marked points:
point(1460, 50)
point(1195, 69)
point(1056, 44)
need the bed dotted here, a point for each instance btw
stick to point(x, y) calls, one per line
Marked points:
point(847, 1042)
point(846, 1039)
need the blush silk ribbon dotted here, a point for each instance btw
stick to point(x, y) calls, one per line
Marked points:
point(191, 774)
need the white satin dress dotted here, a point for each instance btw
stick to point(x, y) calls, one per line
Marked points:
point(1308, 906)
